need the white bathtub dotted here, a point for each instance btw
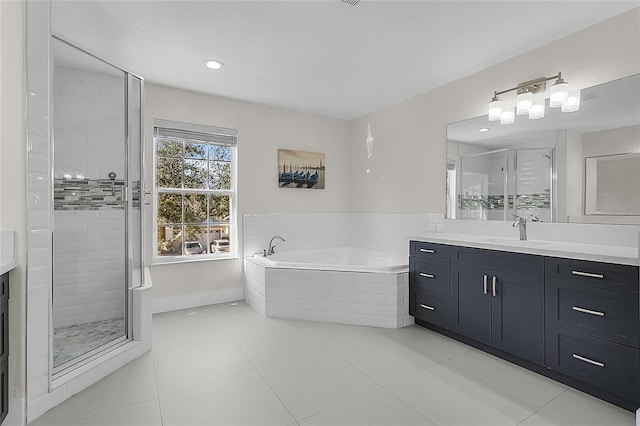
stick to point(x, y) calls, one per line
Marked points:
point(351, 259)
point(345, 285)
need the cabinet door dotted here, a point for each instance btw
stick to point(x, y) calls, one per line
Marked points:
point(518, 315)
point(471, 302)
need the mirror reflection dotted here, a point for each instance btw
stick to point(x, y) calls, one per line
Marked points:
point(582, 166)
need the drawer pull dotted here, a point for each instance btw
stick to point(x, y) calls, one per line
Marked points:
point(589, 361)
point(588, 311)
point(587, 274)
point(422, 274)
point(427, 251)
point(486, 289)
point(431, 308)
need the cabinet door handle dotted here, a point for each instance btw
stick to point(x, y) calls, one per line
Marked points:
point(431, 308)
point(589, 361)
point(485, 280)
point(422, 274)
point(587, 274)
point(588, 311)
point(427, 251)
point(493, 285)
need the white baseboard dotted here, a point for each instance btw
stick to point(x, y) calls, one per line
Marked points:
point(186, 301)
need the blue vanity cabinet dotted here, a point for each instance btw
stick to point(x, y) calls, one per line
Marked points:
point(575, 321)
point(592, 331)
point(498, 300)
point(430, 283)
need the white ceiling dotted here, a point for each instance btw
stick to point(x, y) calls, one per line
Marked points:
point(322, 57)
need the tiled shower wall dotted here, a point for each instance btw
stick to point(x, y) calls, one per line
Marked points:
point(94, 149)
point(88, 222)
point(89, 261)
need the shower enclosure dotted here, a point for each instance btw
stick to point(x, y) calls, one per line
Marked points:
point(97, 212)
point(496, 185)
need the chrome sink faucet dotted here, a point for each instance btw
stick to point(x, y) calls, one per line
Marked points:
point(271, 250)
point(521, 223)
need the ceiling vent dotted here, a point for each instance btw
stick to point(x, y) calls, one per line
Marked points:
point(351, 2)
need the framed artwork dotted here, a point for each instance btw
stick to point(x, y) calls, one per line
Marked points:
point(301, 169)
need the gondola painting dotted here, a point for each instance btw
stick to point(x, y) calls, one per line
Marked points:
point(301, 169)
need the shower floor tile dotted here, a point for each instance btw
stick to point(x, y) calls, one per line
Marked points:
point(75, 340)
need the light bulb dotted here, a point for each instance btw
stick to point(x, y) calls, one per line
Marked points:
point(507, 116)
point(572, 103)
point(495, 109)
point(523, 103)
point(559, 93)
point(213, 64)
point(537, 110)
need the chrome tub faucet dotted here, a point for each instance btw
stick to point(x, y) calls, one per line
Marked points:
point(521, 223)
point(271, 250)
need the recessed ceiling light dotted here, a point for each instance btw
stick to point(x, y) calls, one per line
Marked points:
point(213, 64)
point(484, 129)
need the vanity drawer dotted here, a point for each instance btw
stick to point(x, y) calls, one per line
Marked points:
point(608, 314)
point(517, 263)
point(593, 274)
point(430, 307)
point(430, 276)
point(606, 365)
point(432, 251)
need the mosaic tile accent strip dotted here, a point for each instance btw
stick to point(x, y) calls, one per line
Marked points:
point(496, 202)
point(91, 194)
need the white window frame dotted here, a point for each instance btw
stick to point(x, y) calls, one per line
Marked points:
point(197, 129)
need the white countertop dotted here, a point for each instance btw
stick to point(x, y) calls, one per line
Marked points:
point(6, 265)
point(7, 251)
point(595, 252)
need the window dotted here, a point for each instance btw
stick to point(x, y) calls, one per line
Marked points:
point(194, 191)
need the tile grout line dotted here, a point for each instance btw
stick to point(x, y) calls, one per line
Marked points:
point(549, 402)
point(257, 371)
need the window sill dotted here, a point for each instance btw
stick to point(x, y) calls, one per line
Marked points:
point(171, 260)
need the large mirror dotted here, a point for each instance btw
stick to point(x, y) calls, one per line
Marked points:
point(581, 166)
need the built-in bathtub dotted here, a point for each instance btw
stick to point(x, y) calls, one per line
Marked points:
point(346, 285)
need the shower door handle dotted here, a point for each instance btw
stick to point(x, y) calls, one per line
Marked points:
point(124, 194)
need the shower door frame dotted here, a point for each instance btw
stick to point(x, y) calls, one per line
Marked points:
point(59, 371)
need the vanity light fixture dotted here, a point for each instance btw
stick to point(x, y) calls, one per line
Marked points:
point(213, 64)
point(527, 104)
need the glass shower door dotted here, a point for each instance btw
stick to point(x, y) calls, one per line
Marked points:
point(484, 182)
point(90, 248)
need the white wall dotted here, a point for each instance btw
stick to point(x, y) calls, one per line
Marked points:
point(262, 131)
point(407, 170)
point(13, 188)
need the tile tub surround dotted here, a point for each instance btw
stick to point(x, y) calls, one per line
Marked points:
point(357, 298)
point(387, 232)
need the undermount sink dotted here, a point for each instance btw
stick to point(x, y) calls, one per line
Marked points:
point(515, 241)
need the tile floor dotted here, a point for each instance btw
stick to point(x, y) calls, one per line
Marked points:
point(227, 365)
